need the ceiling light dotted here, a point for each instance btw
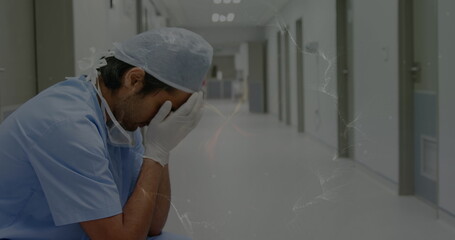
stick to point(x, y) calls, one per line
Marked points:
point(217, 1)
point(222, 18)
point(227, 1)
point(215, 17)
point(230, 17)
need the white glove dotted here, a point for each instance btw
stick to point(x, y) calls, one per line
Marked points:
point(165, 132)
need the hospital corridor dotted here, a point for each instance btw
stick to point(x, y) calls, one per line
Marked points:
point(227, 119)
point(254, 178)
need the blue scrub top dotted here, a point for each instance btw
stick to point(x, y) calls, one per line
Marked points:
point(57, 168)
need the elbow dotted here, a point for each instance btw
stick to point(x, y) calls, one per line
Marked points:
point(155, 232)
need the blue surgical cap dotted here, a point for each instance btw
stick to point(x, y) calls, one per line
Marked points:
point(175, 56)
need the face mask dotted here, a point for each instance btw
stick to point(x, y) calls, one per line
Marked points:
point(117, 136)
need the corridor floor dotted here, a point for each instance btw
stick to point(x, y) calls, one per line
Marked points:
point(242, 176)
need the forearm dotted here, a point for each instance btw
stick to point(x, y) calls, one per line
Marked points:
point(140, 207)
point(138, 212)
point(163, 203)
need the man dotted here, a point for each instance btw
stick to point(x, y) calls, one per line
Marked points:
point(73, 163)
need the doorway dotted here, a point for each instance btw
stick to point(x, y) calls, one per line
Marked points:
point(287, 80)
point(425, 76)
point(283, 74)
point(300, 79)
point(266, 77)
point(345, 86)
point(419, 94)
point(280, 78)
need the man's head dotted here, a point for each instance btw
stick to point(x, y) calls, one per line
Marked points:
point(134, 95)
point(151, 68)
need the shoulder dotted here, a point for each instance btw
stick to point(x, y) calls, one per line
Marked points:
point(72, 103)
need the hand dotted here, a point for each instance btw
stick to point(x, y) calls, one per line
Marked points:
point(165, 132)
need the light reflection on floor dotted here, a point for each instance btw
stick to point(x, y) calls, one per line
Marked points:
point(273, 183)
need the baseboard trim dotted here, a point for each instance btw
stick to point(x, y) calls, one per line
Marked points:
point(446, 217)
point(382, 180)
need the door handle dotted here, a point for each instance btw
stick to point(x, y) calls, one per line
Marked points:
point(415, 71)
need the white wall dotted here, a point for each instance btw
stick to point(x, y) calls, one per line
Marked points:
point(320, 85)
point(446, 108)
point(241, 61)
point(375, 72)
point(226, 40)
point(375, 30)
point(97, 25)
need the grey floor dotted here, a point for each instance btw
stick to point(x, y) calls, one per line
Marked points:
point(244, 176)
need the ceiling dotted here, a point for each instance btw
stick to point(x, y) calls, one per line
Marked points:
point(198, 13)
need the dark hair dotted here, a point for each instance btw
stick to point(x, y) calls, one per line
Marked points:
point(113, 72)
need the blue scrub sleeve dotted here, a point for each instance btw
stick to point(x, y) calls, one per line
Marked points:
point(72, 167)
